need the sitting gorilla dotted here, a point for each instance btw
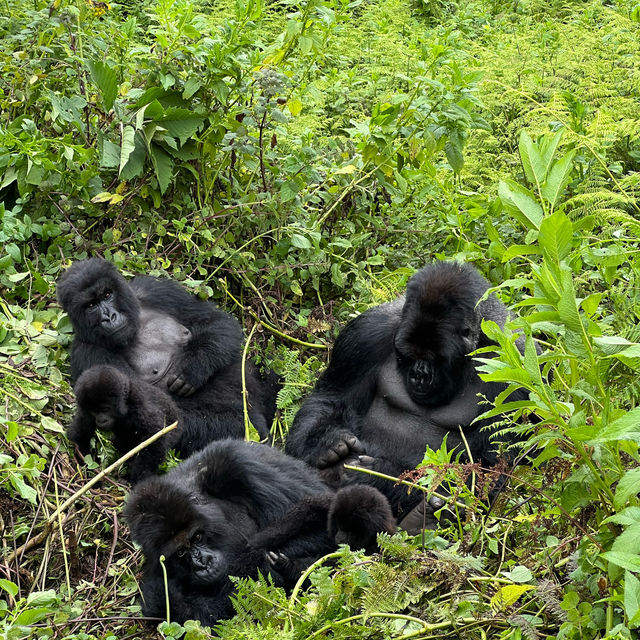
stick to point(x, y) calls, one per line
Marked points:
point(155, 331)
point(132, 410)
point(400, 379)
point(236, 509)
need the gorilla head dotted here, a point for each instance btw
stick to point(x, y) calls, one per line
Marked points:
point(198, 541)
point(439, 327)
point(102, 307)
point(103, 392)
point(357, 514)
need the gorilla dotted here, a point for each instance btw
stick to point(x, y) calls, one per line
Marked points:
point(131, 409)
point(400, 379)
point(153, 330)
point(238, 509)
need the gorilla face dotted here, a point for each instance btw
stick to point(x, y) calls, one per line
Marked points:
point(103, 391)
point(100, 303)
point(198, 557)
point(197, 539)
point(438, 329)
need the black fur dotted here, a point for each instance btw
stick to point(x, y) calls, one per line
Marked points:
point(232, 509)
point(400, 379)
point(194, 348)
point(132, 410)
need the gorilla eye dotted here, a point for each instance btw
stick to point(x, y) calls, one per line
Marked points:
point(197, 537)
point(181, 552)
point(107, 294)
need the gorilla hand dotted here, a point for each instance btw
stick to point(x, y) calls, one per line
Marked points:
point(177, 385)
point(344, 446)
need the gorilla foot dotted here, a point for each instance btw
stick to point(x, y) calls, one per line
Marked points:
point(422, 516)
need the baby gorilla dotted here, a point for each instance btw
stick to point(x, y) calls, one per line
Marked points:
point(131, 409)
point(239, 509)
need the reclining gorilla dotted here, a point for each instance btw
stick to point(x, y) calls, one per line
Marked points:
point(400, 379)
point(155, 331)
point(236, 509)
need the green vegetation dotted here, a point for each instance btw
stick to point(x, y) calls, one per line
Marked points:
point(297, 161)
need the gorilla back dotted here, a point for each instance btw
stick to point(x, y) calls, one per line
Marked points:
point(156, 331)
point(400, 379)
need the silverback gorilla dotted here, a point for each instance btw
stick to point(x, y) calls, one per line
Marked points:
point(155, 331)
point(236, 509)
point(400, 380)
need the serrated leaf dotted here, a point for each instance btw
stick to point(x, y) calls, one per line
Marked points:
point(632, 598)
point(163, 165)
point(190, 87)
point(23, 489)
point(615, 345)
point(519, 574)
point(567, 304)
point(628, 516)
point(105, 79)
point(109, 154)
point(623, 559)
point(454, 155)
point(180, 123)
point(626, 427)
point(556, 234)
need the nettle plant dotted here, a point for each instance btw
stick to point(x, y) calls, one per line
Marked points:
point(577, 386)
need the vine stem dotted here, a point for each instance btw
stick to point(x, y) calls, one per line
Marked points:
point(51, 520)
point(245, 404)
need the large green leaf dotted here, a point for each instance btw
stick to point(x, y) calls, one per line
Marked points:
point(558, 178)
point(626, 427)
point(105, 79)
point(163, 165)
point(556, 233)
point(127, 144)
point(520, 202)
point(180, 123)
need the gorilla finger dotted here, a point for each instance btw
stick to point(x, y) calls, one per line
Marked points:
point(366, 461)
point(176, 385)
point(327, 459)
point(272, 557)
point(354, 444)
point(341, 449)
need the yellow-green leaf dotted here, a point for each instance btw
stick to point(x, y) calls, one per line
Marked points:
point(507, 595)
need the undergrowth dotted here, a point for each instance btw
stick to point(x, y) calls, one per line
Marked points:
point(296, 162)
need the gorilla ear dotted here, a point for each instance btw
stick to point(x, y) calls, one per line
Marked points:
point(156, 512)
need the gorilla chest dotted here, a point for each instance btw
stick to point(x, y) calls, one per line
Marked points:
point(160, 340)
point(394, 417)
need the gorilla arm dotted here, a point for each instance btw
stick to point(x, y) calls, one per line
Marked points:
point(326, 429)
